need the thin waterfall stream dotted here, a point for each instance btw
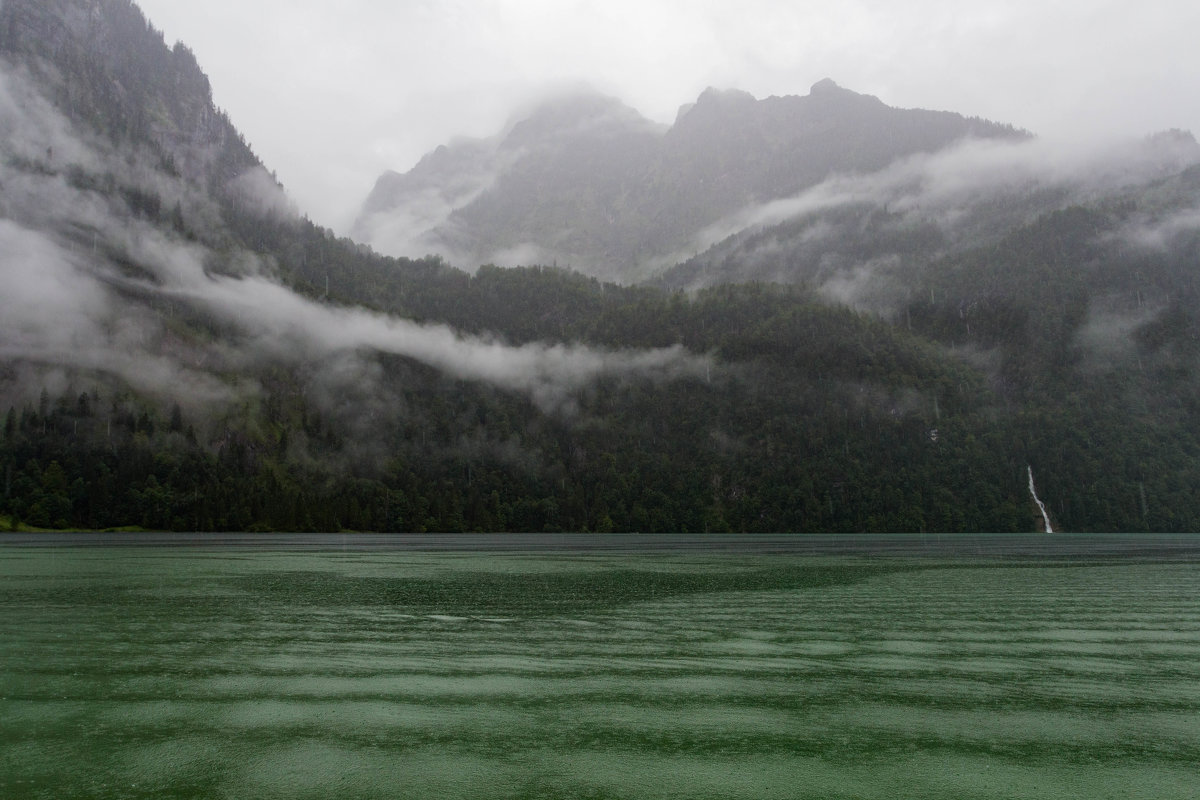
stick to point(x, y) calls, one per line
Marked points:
point(1041, 506)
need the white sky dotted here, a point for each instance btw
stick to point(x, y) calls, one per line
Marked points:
point(330, 94)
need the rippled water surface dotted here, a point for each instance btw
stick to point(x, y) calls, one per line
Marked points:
point(255, 673)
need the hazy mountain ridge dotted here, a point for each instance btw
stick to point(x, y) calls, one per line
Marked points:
point(526, 190)
point(897, 221)
point(619, 197)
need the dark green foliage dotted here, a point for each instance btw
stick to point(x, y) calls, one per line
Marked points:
point(812, 417)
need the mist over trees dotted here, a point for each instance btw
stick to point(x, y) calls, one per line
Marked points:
point(881, 335)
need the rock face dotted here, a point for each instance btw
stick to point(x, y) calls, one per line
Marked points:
point(556, 185)
point(586, 181)
point(109, 70)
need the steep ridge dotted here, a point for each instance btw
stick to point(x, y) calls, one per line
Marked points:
point(858, 236)
point(586, 181)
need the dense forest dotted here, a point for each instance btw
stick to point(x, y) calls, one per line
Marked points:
point(1067, 345)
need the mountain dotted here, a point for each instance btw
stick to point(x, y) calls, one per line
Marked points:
point(890, 224)
point(584, 180)
point(552, 183)
point(89, 60)
point(180, 350)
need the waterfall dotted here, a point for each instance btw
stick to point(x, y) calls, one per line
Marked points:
point(1041, 506)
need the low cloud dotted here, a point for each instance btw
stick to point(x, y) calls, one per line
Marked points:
point(1107, 335)
point(42, 284)
point(30, 128)
point(284, 325)
point(56, 314)
point(855, 237)
point(90, 287)
point(867, 286)
point(1161, 234)
point(258, 192)
point(944, 186)
point(412, 215)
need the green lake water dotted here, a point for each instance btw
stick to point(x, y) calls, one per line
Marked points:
point(234, 673)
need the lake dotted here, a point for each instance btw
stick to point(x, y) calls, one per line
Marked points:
point(599, 667)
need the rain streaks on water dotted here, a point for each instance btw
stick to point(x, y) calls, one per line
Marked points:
point(207, 674)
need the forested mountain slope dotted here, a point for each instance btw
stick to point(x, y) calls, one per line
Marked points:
point(178, 349)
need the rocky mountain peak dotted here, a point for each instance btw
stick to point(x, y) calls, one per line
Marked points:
point(569, 114)
point(825, 86)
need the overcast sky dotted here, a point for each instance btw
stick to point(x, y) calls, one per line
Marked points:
point(331, 94)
